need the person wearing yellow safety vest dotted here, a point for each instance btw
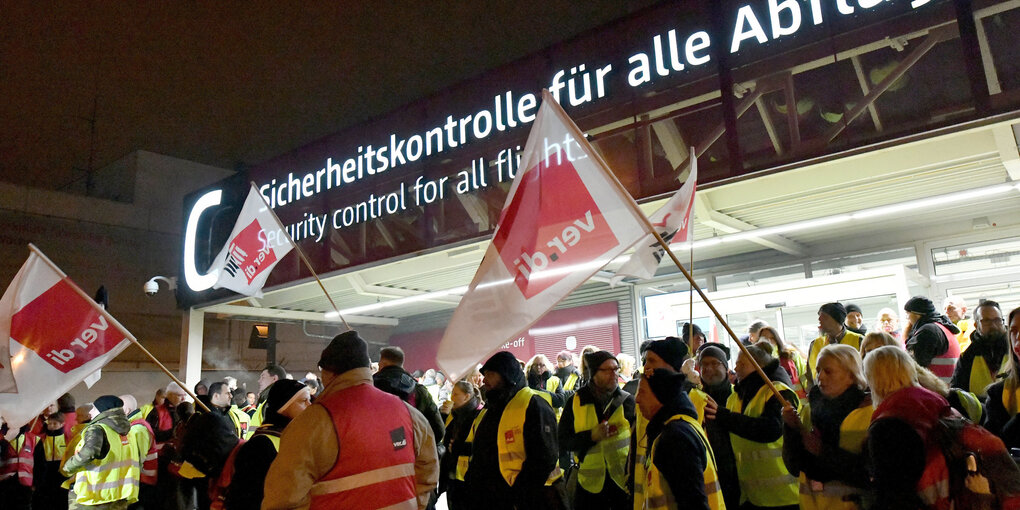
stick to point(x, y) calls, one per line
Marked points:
point(680, 470)
point(356, 446)
point(566, 376)
point(286, 400)
point(596, 427)
point(831, 317)
point(222, 401)
point(465, 403)
point(667, 354)
point(47, 478)
point(824, 442)
point(713, 366)
point(1002, 405)
point(753, 417)
point(980, 365)
point(267, 377)
point(789, 358)
point(106, 464)
point(514, 449)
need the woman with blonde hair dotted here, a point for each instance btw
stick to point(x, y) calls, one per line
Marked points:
point(877, 339)
point(626, 367)
point(824, 443)
point(909, 469)
point(537, 370)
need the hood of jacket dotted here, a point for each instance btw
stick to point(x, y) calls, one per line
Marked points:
point(395, 381)
point(115, 419)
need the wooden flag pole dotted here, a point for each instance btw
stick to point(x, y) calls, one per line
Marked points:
point(579, 136)
point(690, 299)
point(304, 259)
point(122, 329)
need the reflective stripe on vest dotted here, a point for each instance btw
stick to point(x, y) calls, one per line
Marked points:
point(114, 478)
point(375, 464)
point(981, 376)
point(933, 486)
point(764, 479)
point(255, 421)
point(610, 454)
point(510, 435)
point(944, 364)
point(24, 465)
point(658, 494)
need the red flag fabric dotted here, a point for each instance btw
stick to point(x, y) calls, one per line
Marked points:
point(673, 221)
point(57, 336)
point(256, 244)
point(565, 217)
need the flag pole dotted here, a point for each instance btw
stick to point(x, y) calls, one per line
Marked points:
point(579, 136)
point(116, 323)
point(304, 259)
point(690, 302)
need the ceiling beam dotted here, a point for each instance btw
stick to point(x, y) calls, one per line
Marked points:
point(710, 217)
point(279, 313)
point(1005, 141)
point(368, 289)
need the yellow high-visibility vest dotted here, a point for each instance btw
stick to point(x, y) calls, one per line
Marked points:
point(256, 420)
point(836, 495)
point(981, 376)
point(241, 421)
point(764, 479)
point(113, 478)
point(462, 460)
point(658, 494)
point(54, 447)
point(510, 436)
point(610, 454)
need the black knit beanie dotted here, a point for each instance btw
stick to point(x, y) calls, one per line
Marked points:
point(346, 351)
point(595, 360)
point(835, 310)
point(107, 402)
point(851, 308)
point(921, 305)
point(280, 393)
point(672, 350)
point(506, 365)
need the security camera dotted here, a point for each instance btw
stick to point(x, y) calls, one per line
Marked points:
point(151, 287)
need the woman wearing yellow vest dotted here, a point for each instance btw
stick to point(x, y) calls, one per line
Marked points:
point(680, 467)
point(466, 402)
point(824, 443)
point(754, 420)
point(286, 399)
point(106, 464)
point(1003, 401)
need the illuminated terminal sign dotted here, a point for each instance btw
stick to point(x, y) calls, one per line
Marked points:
point(427, 176)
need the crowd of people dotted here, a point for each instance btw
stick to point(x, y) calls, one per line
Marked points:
point(920, 418)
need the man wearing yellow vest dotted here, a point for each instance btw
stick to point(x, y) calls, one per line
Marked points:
point(667, 354)
point(267, 377)
point(754, 419)
point(831, 318)
point(680, 467)
point(356, 447)
point(106, 464)
point(514, 448)
point(714, 366)
point(222, 401)
point(981, 363)
point(251, 460)
point(596, 427)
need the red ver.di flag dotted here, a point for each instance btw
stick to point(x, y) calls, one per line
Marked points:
point(566, 216)
point(254, 247)
point(673, 221)
point(56, 337)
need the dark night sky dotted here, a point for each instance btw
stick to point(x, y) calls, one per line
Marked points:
point(223, 83)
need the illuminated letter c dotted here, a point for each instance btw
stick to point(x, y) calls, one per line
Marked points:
point(198, 282)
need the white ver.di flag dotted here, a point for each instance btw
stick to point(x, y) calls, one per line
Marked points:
point(673, 221)
point(565, 217)
point(56, 336)
point(254, 247)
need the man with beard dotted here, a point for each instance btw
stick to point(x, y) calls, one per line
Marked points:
point(985, 358)
point(931, 338)
point(713, 364)
point(513, 443)
point(596, 427)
